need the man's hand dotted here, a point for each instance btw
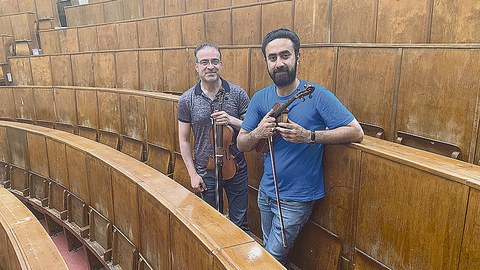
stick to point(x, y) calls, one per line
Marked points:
point(293, 132)
point(221, 118)
point(267, 126)
point(197, 184)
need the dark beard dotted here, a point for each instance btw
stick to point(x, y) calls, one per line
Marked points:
point(283, 76)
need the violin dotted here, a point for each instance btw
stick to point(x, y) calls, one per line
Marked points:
point(221, 137)
point(280, 113)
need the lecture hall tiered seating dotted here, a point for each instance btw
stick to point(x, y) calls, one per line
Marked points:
point(88, 137)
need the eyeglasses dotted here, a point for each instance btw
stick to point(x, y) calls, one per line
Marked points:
point(205, 62)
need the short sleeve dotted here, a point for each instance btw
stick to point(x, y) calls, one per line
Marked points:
point(184, 108)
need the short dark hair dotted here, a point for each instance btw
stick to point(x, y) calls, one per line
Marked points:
point(281, 33)
point(204, 45)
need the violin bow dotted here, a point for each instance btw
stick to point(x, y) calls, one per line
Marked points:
point(277, 193)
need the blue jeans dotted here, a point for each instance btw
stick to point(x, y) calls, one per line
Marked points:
point(237, 196)
point(295, 215)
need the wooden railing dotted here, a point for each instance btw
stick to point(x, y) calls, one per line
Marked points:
point(126, 213)
point(24, 243)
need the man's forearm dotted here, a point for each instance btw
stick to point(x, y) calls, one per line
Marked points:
point(186, 151)
point(247, 141)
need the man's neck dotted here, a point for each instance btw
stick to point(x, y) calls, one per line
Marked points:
point(286, 90)
point(211, 88)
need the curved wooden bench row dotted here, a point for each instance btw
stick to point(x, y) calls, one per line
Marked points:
point(24, 243)
point(398, 88)
point(119, 10)
point(126, 213)
point(225, 26)
point(316, 21)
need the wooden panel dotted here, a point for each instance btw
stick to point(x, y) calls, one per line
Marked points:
point(41, 71)
point(180, 173)
point(21, 72)
point(159, 122)
point(193, 29)
point(113, 11)
point(455, 22)
point(133, 116)
point(150, 70)
point(127, 35)
point(65, 107)
point(127, 69)
point(315, 247)
point(353, 21)
point(277, 15)
point(109, 111)
point(311, 21)
point(322, 74)
point(61, 70)
point(37, 148)
point(373, 70)
point(50, 42)
point(100, 187)
point(363, 262)
point(235, 66)
point(82, 66)
point(246, 25)
point(423, 108)
point(241, 2)
point(69, 40)
point(9, 7)
point(17, 141)
point(57, 162)
point(403, 21)
point(44, 106)
point(87, 37)
point(107, 37)
point(23, 27)
point(174, 7)
point(73, 16)
point(219, 27)
point(402, 209)
point(87, 108)
point(169, 38)
point(219, 3)
point(7, 104)
point(258, 71)
point(4, 151)
point(470, 258)
point(94, 14)
point(24, 104)
point(336, 210)
point(126, 206)
point(6, 26)
point(187, 252)
point(174, 63)
point(26, 5)
point(154, 231)
point(193, 5)
point(77, 173)
point(253, 213)
point(153, 8)
point(148, 33)
point(104, 70)
point(132, 9)
point(191, 72)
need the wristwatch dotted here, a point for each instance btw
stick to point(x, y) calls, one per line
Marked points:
point(312, 136)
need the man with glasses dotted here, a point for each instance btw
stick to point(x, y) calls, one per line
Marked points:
point(197, 107)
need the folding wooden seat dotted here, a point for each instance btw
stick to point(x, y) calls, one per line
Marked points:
point(148, 33)
point(373, 130)
point(45, 23)
point(7, 104)
point(87, 37)
point(4, 158)
point(113, 11)
point(24, 105)
point(22, 47)
point(143, 264)
point(39, 170)
point(17, 141)
point(428, 144)
point(61, 70)
point(150, 70)
point(127, 69)
point(65, 109)
point(127, 36)
point(44, 107)
point(101, 234)
point(41, 70)
point(160, 133)
point(87, 113)
point(133, 126)
point(124, 252)
point(59, 182)
point(78, 197)
point(109, 118)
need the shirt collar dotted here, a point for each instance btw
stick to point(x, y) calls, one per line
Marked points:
point(198, 88)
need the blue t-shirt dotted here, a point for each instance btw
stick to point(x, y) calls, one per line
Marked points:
point(298, 165)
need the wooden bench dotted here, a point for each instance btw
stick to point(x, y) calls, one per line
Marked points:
point(24, 243)
point(124, 212)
